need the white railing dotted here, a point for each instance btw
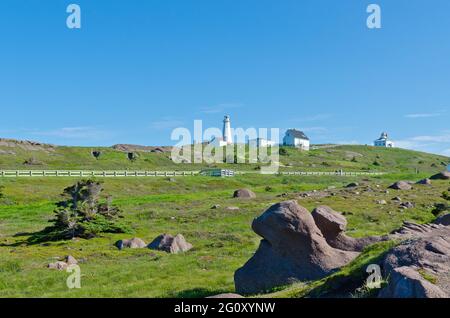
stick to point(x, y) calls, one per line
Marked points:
point(125, 173)
point(93, 173)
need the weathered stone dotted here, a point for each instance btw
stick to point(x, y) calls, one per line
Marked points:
point(428, 250)
point(407, 205)
point(445, 175)
point(244, 193)
point(170, 244)
point(70, 260)
point(132, 243)
point(58, 265)
point(424, 181)
point(333, 224)
point(293, 249)
point(406, 282)
point(401, 185)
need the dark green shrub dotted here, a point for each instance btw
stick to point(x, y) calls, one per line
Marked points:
point(81, 214)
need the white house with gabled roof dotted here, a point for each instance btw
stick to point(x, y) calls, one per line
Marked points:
point(296, 138)
point(383, 141)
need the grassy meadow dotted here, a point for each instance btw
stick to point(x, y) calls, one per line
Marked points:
point(223, 240)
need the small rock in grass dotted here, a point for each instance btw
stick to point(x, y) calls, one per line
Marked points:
point(170, 244)
point(58, 265)
point(233, 208)
point(70, 260)
point(244, 193)
point(133, 243)
point(401, 185)
point(424, 181)
point(407, 205)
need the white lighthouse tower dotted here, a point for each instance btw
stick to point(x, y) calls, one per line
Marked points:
point(227, 138)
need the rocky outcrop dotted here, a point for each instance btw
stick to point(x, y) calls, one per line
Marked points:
point(333, 225)
point(401, 185)
point(26, 145)
point(170, 244)
point(132, 243)
point(419, 268)
point(406, 282)
point(244, 193)
point(139, 148)
point(292, 249)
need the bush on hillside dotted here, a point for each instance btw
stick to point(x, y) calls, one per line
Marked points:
point(81, 214)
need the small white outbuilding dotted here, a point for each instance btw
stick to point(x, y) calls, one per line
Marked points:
point(383, 141)
point(296, 138)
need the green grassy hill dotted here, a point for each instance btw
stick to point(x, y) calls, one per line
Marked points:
point(15, 156)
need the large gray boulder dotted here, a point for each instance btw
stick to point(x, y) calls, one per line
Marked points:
point(333, 225)
point(445, 175)
point(244, 193)
point(410, 266)
point(401, 185)
point(292, 249)
point(170, 244)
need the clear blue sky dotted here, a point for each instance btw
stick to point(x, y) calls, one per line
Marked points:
point(137, 69)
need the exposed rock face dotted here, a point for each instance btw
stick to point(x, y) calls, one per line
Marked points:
point(293, 249)
point(401, 185)
point(445, 175)
point(26, 145)
point(132, 243)
point(333, 225)
point(407, 263)
point(170, 244)
point(406, 282)
point(244, 193)
point(139, 148)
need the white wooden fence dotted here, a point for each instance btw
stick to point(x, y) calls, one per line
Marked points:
point(124, 173)
point(84, 173)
